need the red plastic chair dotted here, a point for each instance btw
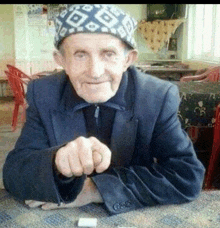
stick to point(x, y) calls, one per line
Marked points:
point(19, 73)
point(211, 75)
point(19, 97)
point(215, 155)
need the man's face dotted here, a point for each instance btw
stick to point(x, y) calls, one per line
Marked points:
point(95, 64)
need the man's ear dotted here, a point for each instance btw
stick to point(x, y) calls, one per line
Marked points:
point(59, 58)
point(131, 57)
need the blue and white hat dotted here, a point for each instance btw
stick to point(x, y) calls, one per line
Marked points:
point(95, 18)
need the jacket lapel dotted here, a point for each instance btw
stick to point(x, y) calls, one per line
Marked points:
point(123, 138)
point(68, 119)
point(68, 126)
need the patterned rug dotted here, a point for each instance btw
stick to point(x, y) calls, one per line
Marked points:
point(201, 213)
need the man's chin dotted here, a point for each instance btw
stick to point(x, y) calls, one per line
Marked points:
point(97, 99)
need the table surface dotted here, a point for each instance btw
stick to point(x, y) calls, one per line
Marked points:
point(164, 69)
point(198, 103)
point(198, 87)
point(203, 212)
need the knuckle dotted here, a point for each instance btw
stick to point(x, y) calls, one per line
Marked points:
point(100, 169)
point(66, 172)
point(77, 170)
point(104, 165)
point(78, 173)
point(82, 142)
point(92, 138)
point(71, 145)
point(88, 167)
point(107, 152)
point(80, 139)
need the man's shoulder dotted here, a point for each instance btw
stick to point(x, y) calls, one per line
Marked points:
point(47, 89)
point(148, 85)
point(151, 94)
point(52, 80)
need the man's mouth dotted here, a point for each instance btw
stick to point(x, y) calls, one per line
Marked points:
point(96, 83)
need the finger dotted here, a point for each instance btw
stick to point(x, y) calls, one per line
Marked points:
point(104, 152)
point(62, 162)
point(50, 206)
point(104, 164)
point(75, 164)
point(97, 158)
point(28, 201)
point(33, 203)
point(85, 155)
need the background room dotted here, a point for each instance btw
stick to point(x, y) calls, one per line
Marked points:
point(178, 43)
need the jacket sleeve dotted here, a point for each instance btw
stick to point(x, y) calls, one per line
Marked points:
point(175, 177)
point(28, 172)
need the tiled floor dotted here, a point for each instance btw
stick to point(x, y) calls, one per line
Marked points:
point(6, 111)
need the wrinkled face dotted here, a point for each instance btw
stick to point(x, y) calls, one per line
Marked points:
point(95, 64)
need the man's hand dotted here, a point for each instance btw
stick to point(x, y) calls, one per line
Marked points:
point(89, 194)
point(83, 156)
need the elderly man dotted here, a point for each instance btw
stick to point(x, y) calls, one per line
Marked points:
point(101, 131)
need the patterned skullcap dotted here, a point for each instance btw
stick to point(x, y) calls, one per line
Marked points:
point(95, 18)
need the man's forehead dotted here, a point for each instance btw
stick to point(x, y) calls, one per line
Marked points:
point(99, 40)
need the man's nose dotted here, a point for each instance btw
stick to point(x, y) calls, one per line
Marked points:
point(96, 68)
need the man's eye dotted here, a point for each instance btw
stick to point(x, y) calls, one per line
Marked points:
point(110, 54)
point(80, 55)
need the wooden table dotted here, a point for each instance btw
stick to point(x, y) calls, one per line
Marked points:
point(168, 73)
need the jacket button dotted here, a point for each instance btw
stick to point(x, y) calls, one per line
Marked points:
point(128, 204)
point(122, 205)
point(116, 207)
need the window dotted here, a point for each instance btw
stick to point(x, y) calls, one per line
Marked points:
point(203, 32)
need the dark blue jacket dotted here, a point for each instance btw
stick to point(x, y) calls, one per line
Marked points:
point(153, 160)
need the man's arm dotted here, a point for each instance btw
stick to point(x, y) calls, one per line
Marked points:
point(88, 194)
point(176, 178)
point(28, 172)
point(34, 170)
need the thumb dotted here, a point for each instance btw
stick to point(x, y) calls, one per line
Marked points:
point(97, 158)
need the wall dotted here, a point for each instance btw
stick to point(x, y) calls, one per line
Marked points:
point(139, 12)
point(30, 41)
point(34, 38)
point(33, 41)
point(7, 48)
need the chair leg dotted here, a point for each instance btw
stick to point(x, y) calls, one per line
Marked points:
point(214, 158)
point(213, 164)
point(15, 117)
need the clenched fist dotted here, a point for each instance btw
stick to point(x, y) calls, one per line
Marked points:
point(83, 156)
